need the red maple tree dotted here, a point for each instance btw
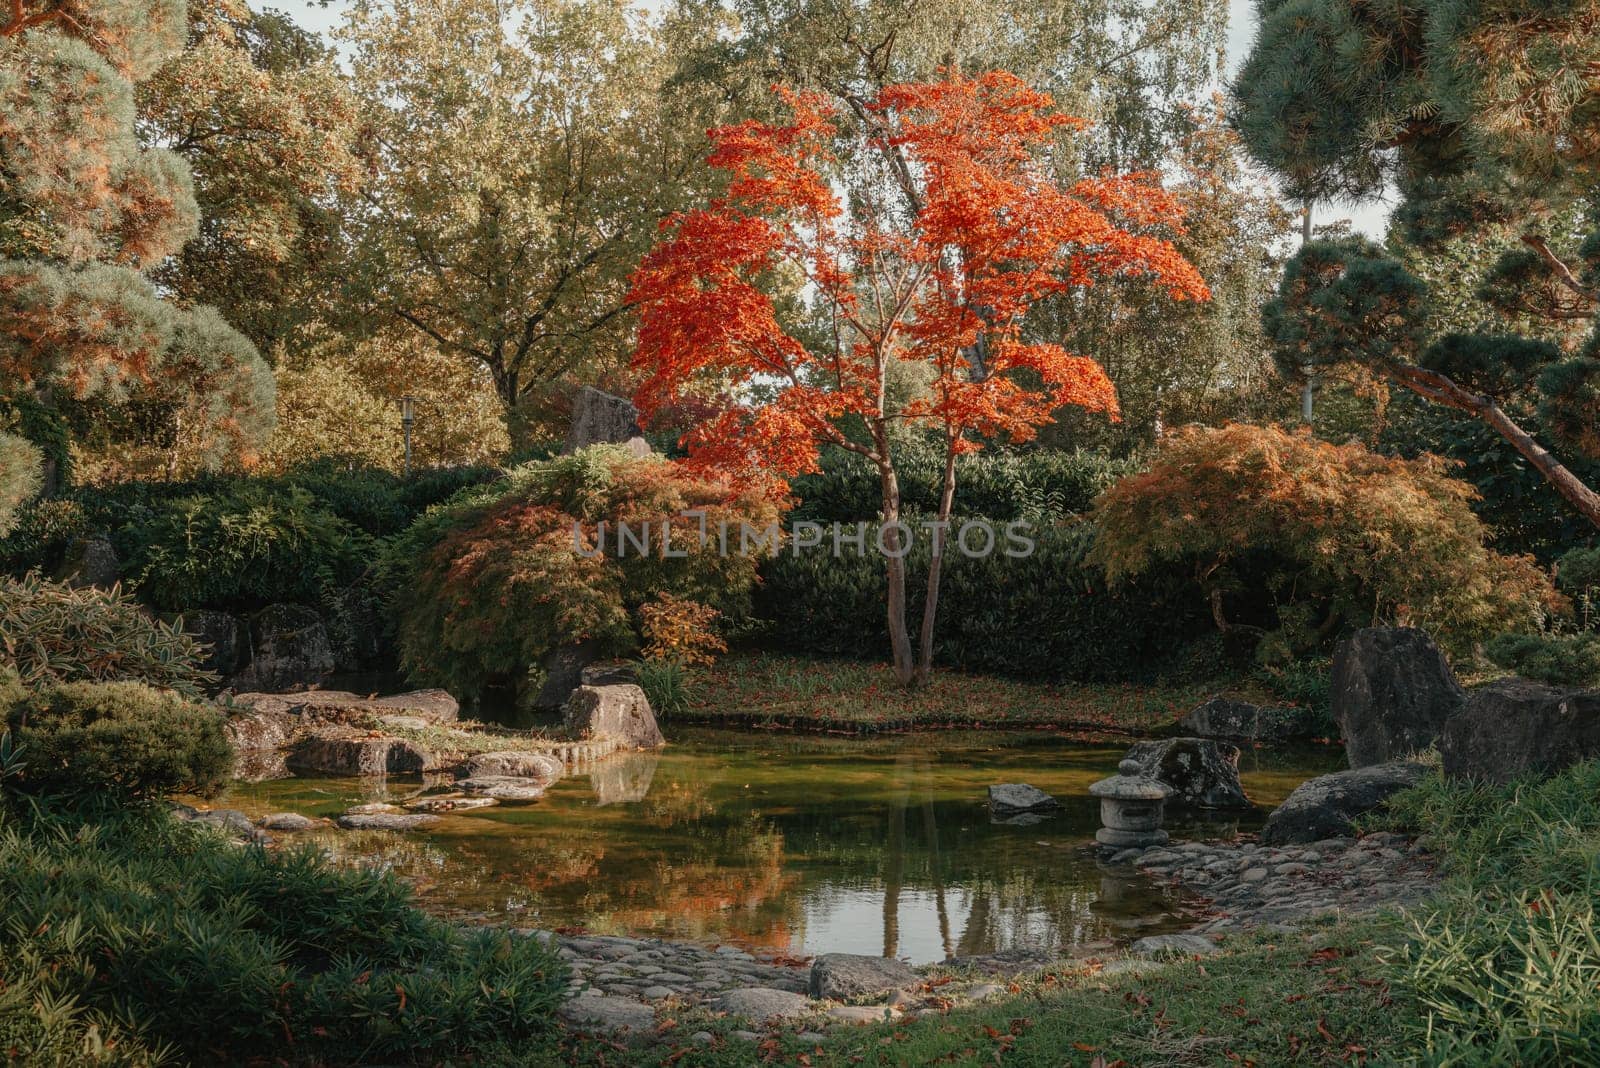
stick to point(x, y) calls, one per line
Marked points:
point(922, 236)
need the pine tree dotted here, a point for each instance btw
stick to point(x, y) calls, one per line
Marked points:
point(1486, 122)
point(85, 212)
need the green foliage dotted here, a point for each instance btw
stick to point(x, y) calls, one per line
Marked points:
point(162, 939)
point(1346, 533)
point(1047, 615)
point(485, 585)
point(20, 477)
point(1040, 486)
point(123, 737)
point(243, 550)
point(1507, 963)
point(1578, 572)
point(54, 633)
point(668, 685)
point(1559, 659)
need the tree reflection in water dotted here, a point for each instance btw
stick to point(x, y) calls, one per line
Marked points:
point(800, 844)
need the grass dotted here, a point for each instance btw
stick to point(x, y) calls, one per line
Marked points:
point(1321, 998)
point(772, 691)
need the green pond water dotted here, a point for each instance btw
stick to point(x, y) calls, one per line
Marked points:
point(799, 844)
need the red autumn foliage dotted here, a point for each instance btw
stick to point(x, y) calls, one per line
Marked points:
point(923, 235)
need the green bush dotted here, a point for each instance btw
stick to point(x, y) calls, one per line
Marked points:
point(484, 586)
point(119, 736)
point(666, 684)
point(243, 550)
point(21, 475)
point(1048, 615)
point(55, 633)
point(1507, 963)
point(1041, 485)
point(148, 936)
point(1559, 659)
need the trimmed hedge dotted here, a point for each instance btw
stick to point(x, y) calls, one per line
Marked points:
point(1042, 485)
point(1048, 615)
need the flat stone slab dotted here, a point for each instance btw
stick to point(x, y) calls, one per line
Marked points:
point(1187, 945)
point(450, 804)
point(386, 821)
point(513, 763)
point(506, 788)
point(843, 976)
point(1015, 798)
point(609, 1014)
point(288, 821)
point(762, 1004)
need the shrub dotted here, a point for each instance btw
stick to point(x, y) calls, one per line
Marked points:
point(485, 586)
point(119, 736)
point(1330, 532)
point(158, 936)
point(1048, 615)
point(55, 633)
point(21, 475)
point(666, 684)
point(1559, 659)
point(243, 550)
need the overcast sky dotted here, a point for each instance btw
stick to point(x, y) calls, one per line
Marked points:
point(1369, 217)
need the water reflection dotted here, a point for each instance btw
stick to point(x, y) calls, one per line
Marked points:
point(801, 844)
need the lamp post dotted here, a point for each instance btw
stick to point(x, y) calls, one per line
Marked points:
point(408, 415)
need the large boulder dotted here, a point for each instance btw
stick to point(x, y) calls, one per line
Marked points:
point(1015, 798)
point(90, 561)
point(1325, 807)
point(1392, 692)
point(1235, 720)
point(512, 763)
point(222, 633)
point(621, 712)
point(600, 418)
point(562, 670)
point(844, 976)
point(291, 650)
point(1514, 728)
point(338, 755)
point(1203, 773)
point(259, 721)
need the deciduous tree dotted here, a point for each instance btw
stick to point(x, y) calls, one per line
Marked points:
point(944, 285)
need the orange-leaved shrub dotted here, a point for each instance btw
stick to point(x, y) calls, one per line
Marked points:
point(487, 584)
point(1336, 535)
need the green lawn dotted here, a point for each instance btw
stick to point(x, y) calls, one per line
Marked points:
point(766, 690)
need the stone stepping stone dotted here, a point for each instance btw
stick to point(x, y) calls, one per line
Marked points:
point(506, 788)
point(762, 1004)
point(845, 976)
point(609, 1014)
point(288, 821)
point(450, 804)
point(386, 821)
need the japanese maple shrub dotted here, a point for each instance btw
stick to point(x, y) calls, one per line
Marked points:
point(1336, 533)
point(488, 584)
point(841, 254)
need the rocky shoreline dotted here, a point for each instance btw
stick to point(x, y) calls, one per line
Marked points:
point(619, 983)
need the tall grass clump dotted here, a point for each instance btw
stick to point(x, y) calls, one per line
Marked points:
point(1507, 961)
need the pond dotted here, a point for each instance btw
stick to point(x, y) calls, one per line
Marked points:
point(796, 844)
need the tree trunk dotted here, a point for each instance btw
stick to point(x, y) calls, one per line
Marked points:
point(1441, 389)
point(895, 566)
point(930, 604)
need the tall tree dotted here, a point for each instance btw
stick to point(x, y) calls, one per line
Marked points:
point(84, 211)
point(259, 111)
point(1484, 119)
point(526, 151)
point(945, 285)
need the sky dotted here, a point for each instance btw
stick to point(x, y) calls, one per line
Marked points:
point(1369, 217)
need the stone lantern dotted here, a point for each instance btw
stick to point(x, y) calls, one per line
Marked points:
point(1130, 808)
